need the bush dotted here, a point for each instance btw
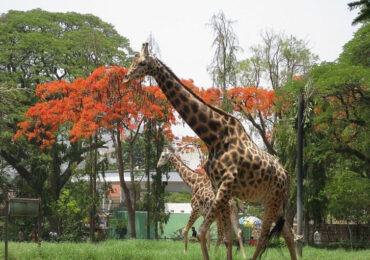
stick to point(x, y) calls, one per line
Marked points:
point(177, 197)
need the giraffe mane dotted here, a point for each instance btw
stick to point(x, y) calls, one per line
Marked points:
point(185, 165)
point(192, 92)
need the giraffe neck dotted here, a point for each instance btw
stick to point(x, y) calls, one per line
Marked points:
point(204, 119)
point(188, 175)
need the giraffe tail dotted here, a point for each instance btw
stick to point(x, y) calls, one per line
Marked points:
point(274, 233)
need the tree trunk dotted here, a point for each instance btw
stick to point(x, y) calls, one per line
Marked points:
point(132, 166)
point(92, 194)
point(131, 213)
point(147, 171)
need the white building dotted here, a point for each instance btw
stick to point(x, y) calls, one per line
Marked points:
point(116, 195)
point(177, 208)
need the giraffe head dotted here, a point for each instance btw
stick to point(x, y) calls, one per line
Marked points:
point(165, 156)
point(140, 64)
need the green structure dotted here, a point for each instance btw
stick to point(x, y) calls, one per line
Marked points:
point(119, 227)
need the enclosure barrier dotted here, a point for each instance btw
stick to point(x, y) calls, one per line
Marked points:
point(119, 227)
point(20, 207)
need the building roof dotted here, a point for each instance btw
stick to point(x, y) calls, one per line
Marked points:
point(112, 176)
point(115, 191)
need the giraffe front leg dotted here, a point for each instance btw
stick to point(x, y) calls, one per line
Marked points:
point(239, 235)
point(219, 207)
point(208, 238)
point(193, 217)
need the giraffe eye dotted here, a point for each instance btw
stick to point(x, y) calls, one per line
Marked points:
point(142, 63)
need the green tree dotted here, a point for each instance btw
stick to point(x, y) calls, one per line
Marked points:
point(349, 197)
point(38, 46)
point(224, 62)
point(343, 113)
point(250, 71)
point(364, 14)
point(278, 59)
point(315, 176)
point(336, 126)
point(357, 51)
point(158, 188)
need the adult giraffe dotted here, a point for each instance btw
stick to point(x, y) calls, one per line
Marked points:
point(236, 166)
point(201, 199)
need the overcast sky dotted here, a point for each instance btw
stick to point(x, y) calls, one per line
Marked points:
point(185, 42)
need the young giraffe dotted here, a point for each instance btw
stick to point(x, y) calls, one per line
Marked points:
point(202, 198)
point(236, 166)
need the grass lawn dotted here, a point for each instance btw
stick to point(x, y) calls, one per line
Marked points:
point(161, 250)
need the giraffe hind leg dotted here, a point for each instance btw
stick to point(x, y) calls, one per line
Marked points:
point(239, 235)
point(289, 240)
point(271, 215)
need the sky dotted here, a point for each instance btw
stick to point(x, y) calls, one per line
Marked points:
point(184, 39)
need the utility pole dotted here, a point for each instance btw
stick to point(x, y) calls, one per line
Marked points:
point(300, 172)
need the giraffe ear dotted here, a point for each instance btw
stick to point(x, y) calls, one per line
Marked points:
point(167, 148)
point(171, 149)
point(144, 50)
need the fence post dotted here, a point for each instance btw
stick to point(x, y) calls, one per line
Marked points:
point(39, 223)
point(6, 225)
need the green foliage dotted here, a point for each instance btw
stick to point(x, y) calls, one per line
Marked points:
point(177, 197)
point(343, 111)
point(38, 46)
point(357, 50)
point(364, 13)
point(255, 210)
point(279, 58)
point(70, 212)
point(349, 197)
point(138, 151)
point(286, 142)
point(336, 131)
point(224, 63)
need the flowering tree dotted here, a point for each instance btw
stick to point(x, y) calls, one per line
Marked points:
point(257, 106)
point(86, 106)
